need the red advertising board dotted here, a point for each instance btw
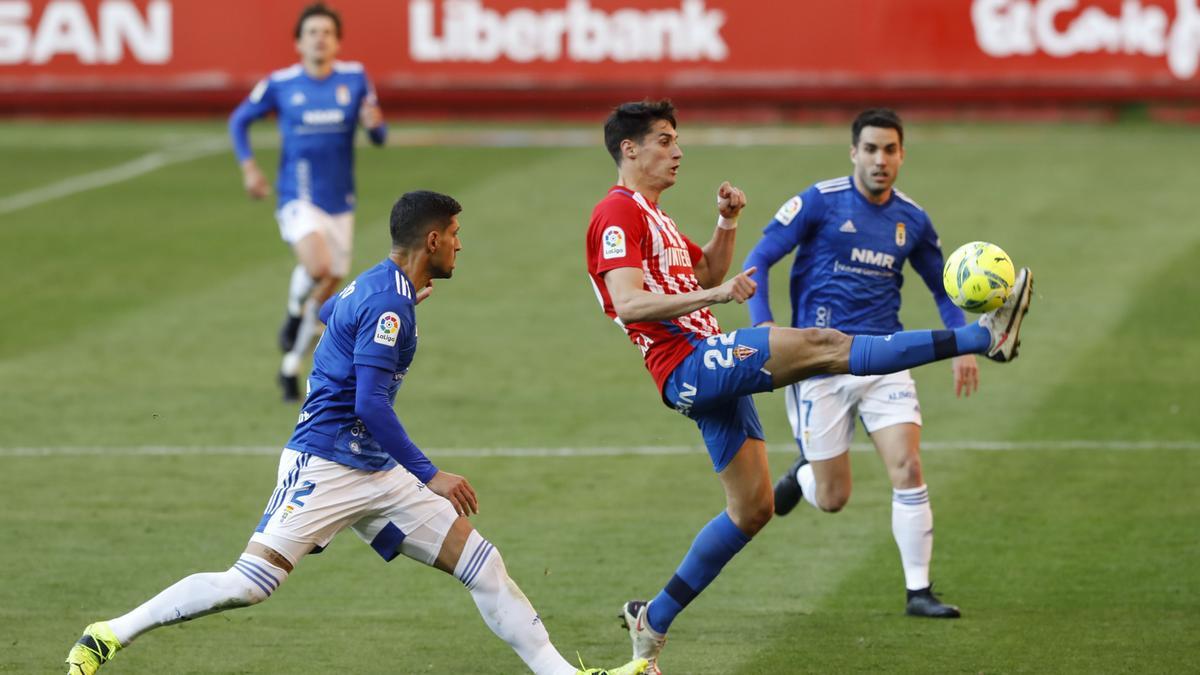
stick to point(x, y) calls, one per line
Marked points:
point(193, 53)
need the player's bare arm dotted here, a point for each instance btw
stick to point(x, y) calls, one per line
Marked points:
point(718, 252)
point(632, 302)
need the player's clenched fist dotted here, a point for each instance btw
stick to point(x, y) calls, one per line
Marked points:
point(740, 288)
point(730, 201)
point(457, 490)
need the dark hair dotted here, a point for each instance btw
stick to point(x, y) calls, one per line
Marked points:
point(319, 9)
point(633, 121)
point(882, 118)
point(419, 211)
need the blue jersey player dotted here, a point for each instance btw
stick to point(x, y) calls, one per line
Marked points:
point(851, 237)
point(350, 465)
point(319, 104)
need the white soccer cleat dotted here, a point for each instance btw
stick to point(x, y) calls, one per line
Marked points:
point(647, 644)
point(1004, 322)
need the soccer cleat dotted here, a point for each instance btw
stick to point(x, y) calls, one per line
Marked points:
point(787, 489)
point(634, 667)
point(924, 603)
point(1004, 322)
point(647, 644)
point(290, 384)
point(94, 649)
point(288, 332)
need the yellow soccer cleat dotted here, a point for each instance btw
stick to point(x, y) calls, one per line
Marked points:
point(634, 667)
point(93, 650)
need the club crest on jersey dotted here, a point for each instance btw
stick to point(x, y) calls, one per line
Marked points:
point(742, 352)
point(342, 95)
point(613, 241)
point(900, 237)
point(387, 329)
point(787, 213)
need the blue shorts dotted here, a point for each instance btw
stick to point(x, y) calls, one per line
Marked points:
point(714, 384)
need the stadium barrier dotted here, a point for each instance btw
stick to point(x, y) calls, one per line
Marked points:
point(558, 57)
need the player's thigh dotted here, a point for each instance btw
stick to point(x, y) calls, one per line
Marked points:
point(313, 500)
point(406, 518)
point(800, 353)
point(891, 413)
point(339, 238)
point(821, 411)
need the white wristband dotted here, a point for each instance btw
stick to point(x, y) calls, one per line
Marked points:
point(724, 223)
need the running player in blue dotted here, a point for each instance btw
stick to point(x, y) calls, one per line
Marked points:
point(319, 102)
point(851, 236)
point(351, 465)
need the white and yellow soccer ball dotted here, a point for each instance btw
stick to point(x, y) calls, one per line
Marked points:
point(978, 276)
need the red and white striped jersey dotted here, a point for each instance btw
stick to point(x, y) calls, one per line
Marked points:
point(627, 230)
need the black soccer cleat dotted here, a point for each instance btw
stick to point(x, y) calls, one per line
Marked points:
point(924, 603)
point(787, 489)
point(290, 385)
point(288, 332)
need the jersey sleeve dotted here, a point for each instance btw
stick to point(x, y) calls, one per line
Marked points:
point(617, 232)
point(926, 259)
point(787, 230)
point(384, 328)
point(257, 105)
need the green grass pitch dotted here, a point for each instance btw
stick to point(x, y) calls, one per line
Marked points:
point(143, 313)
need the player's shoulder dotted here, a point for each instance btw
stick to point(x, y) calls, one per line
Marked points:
point(618, 204)
point(285, 74)
point(832, 186)
point(382, 288)
point(904, 198)
point(348, 67)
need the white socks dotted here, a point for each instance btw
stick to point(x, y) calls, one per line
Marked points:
point(912, 526)
point(298, 289)
point(505, 609)
point(808, 484)
point(304, 338)
point(250, 581)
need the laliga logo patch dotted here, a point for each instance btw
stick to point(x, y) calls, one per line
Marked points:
point(787, 212)
point(614, 243)
point(743, 352)
point(342, 95)
point(900, 239)
point(387, 329)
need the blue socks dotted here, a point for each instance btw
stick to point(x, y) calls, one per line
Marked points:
point(879, 355)
point(715, 545)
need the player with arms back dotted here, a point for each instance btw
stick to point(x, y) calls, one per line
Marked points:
point(350, 464)
point(319, 102)
point(657, 285)
point(852, 236)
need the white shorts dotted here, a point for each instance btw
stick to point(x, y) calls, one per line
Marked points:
point(316, 498)
point(822, 410)
point(298, 219)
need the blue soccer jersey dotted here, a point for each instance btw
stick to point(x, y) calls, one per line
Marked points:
point(317, 121)
point(849, 256)
point(372, 323)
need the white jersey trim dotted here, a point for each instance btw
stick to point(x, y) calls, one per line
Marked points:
point(347, 67)
point(906, 198)
point(289, 73)
point(834, 185)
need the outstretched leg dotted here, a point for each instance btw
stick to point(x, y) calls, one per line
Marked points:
point(256, 574)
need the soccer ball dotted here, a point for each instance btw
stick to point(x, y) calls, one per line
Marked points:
point(978, 276)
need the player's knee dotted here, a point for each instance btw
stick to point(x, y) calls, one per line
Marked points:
point(752, 517)
point(906, 473)
point(832, 501)
point(824, 346)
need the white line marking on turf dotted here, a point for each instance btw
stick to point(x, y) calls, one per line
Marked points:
point(114, 174)
point(936, 446)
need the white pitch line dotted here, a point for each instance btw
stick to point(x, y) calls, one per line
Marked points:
point(114, 174)
point(936, 446)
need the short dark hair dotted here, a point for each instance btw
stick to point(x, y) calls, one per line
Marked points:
point(319, 9)
point(633, 121)
point(882, 118)
point(419, 211)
